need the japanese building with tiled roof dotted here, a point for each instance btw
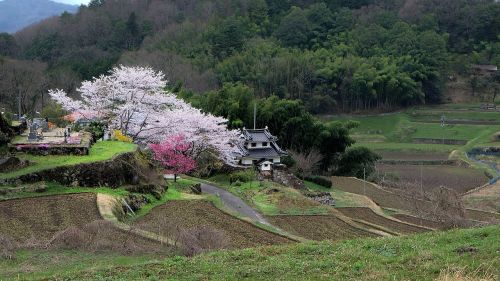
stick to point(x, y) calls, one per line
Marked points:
point(259, 145)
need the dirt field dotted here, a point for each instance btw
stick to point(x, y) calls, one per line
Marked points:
point(486, 199)
point(42, 217)
point(190, 214)
point(419, 221)
point(414, 156)
point(69, 222)
point(380, 196)
point(391, 200)
point(322, 227)
point(433, 176)
point(369, 216)
point(483, 216)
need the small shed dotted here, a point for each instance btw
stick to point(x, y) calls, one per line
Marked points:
point(266, 166)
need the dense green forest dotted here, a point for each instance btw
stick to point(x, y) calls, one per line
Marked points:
point(293, 58)
point(334, 55)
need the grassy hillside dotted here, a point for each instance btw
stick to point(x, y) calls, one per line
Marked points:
point(472, 252)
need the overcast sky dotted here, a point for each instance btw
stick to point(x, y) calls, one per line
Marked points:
point(74, 2)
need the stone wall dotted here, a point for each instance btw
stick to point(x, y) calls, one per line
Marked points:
point(6, 131)
point(121, 170)
point(286, 178)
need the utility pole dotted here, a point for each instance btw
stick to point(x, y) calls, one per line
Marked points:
point(421, 188)
point(19, 111)
point(421, 178)
point(443, 124)
point(255, 115)
point(364, 181)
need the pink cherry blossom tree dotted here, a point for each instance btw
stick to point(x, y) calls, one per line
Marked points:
point(173, 154)
point(134, 100)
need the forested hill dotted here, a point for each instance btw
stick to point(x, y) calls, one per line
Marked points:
point(335, 55)
point(17, 14)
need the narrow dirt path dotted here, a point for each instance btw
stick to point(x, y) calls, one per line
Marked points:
point(234, 203)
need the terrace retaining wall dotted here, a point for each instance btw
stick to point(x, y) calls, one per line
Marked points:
point(118, 171)
point(438, 141)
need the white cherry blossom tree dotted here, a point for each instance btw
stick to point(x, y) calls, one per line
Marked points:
point(133, 100)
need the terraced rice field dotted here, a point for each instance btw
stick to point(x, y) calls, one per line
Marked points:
point(321, 227)
point(418, 221)
point(413, 156)
point(483, 216)
point(42, 217)
point(486, 199)
point(368, 215)
point(197, 213)
point(380, 196)
point(70, 222)
point(392, 200)
point(433, 176)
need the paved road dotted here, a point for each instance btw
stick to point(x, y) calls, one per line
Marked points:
point(234, 203)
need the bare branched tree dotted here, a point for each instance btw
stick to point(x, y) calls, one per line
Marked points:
point(306, 163)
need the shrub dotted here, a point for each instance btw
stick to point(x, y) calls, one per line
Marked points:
point(242, 176)
point(358, 162)
point(323, 181)
point(119, 136)
point(7, 248)
point(201, 239)
point(96, 129)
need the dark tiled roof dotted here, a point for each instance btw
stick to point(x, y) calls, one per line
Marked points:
point(263, 153)
point(261, 135)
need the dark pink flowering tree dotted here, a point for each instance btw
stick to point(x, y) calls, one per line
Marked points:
point(174, 154)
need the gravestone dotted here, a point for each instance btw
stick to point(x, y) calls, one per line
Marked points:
point(33, 134)
point(41, 123)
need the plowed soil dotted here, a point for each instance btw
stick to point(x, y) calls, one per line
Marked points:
point(321, 227)
point(42, 217)
point(419, 221)
point(434, 176)
point(368, 215)
point(190, 214)
point(391, 200)
point(380, 196)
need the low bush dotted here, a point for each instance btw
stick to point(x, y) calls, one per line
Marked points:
point(201, 239)
point(7, 247)
point(119, 136)
point(242, 176)
point(323, 181)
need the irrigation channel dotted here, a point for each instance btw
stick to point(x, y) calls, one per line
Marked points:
point(476, 153)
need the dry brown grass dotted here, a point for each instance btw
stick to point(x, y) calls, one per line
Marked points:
point(462, 275)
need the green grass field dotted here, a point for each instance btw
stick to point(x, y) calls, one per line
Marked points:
point(472, 253)
point(103, 150)
point(397, 132)
point(402, 128)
